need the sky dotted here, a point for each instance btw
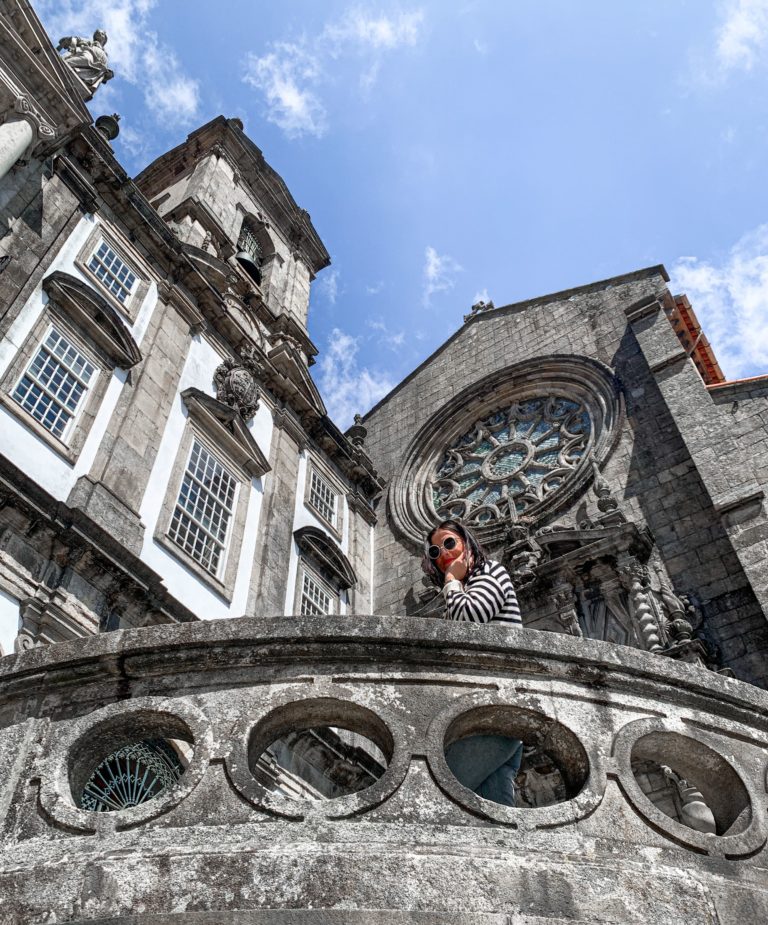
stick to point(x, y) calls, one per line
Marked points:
point(456, 150)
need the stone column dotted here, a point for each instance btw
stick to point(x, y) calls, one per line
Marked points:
point(266, 596)
point(16, 135)
point(22, 129)
point(634, 576)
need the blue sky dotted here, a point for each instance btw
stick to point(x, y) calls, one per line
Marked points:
point(453, 150)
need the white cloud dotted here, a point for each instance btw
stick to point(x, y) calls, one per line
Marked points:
point(135, 142)
point(286, 77)
point(730, 299)
point(439, 274)
point(136, 53)
point(743, 34)
point(347, 388)
point(481, 296)
point(380, 33)
point(328, 285)
point(387, 338)
point(375, 288)
point(290, 74)
point(481, 47)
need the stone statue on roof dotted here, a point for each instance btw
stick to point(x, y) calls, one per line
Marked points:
point(87, 58)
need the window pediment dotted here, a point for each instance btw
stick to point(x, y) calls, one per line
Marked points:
point(225, 426)
point(321, 549)
point(93, 315)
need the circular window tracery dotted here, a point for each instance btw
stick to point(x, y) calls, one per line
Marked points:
point(520, 442)
point(511, 459)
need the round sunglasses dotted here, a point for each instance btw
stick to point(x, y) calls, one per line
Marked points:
point(451, 542)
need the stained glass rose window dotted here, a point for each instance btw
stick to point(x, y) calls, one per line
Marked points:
point(511, 460)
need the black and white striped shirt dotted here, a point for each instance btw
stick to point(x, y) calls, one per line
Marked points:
point(488, 596)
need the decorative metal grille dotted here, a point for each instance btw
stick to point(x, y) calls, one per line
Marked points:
point(200, 521)
point(322, 498)
point(114, 275)
point(314, 599)
point(132, 775)
point(55, 383)
point(511, 460)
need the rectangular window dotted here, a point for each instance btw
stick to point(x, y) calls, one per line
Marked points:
point(114, 275)
point(203, 511)
point(322, 497)
point(314, 598)
point(54, 385)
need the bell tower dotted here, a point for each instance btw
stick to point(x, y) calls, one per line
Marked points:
point(220, 197)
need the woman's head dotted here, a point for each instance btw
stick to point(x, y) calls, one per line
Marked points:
point(446, 542)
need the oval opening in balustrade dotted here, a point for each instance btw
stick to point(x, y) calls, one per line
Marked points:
point(319, 750)
point(515, 757)
point(691, 783)
point(126, 761)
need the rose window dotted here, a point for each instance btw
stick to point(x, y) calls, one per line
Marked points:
point(511, 460)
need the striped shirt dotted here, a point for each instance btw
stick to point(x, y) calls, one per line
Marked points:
point(488, 596)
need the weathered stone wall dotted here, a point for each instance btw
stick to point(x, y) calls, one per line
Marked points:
point(651, 471)
point(37, 214)
point(416, 846)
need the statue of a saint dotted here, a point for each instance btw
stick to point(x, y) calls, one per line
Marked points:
point(87, 58)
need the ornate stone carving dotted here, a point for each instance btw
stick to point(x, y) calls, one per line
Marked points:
point(512, 459)
point(605, 500)
point(634, 577)
point(480, 306)
point(565, 605)
point(694, 810)
point(236, 384)
point(87, 58)
point(24, 107)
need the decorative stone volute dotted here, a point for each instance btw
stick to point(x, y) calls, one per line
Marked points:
point(236, 385)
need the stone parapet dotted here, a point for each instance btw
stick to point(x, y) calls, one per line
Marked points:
point(416, 845)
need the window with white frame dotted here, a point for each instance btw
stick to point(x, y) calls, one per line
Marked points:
point(201, 519)
point(112, 272)
point(53, 387)
point(315, 599)
point(322, 497)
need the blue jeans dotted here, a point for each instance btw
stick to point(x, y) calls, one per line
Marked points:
point(488, 765)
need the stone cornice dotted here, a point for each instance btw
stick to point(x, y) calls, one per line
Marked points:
point(77, 529)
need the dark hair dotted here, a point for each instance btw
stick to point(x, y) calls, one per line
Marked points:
point(476, 551)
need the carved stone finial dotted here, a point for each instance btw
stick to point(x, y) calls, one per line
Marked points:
point(357, 432)
point(109, 126)
point(87, 58)
point(605, 500)
point(236, 385)
point(480, 306)
point(695, 812)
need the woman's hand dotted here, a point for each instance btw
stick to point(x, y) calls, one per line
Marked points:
point(457, 570)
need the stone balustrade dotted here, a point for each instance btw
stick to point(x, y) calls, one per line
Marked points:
point(218, 847)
